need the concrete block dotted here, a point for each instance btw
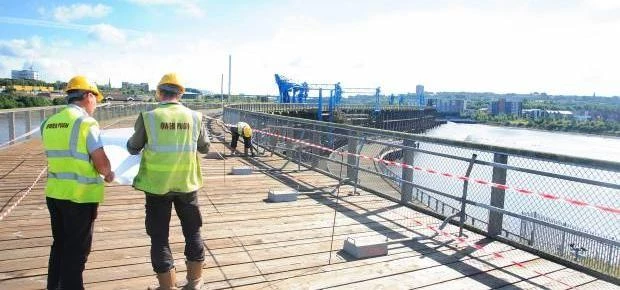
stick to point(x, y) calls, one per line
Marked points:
point(282, 195)
point(241, 170)
point(366, 247)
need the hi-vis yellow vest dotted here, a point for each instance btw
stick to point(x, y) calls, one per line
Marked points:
point(71, 174)
point(244, 129)
point(169, 160)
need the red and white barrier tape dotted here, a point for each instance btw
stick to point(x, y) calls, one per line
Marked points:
point(478, 247)
point(498, 255)
point(8, 211)
point(541, 194)
point(20, 137)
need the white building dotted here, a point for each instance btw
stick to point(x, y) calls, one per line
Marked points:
point(26, 74)
point(547, 114)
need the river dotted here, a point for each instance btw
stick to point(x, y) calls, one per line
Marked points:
point(580, 145)
point(20, 125)
point(572, 144)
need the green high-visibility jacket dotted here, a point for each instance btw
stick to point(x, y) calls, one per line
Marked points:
point(170, 160)
point(244, 129)
point(71, 174)
point(240, 126)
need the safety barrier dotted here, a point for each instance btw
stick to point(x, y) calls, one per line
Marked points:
point(493, 189)
point(24, 123)
point(491, 186)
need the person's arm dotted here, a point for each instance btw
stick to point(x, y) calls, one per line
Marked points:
point(136, 143)
point(102, 164)
point(97, 155)
point(203, 140)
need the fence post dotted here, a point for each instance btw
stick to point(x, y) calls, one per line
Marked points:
point(406, 188)
point(11, 117)
point(28, 122)
point(316, 139)
point(352, 159)
point(497, 195)
point(42, 115)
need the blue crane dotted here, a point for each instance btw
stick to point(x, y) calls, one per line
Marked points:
point(291, 92)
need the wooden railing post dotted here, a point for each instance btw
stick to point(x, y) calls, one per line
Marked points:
point(497, 195)
point(11, 117)
point(406, 188)
point(352, 159)
point(28, 119)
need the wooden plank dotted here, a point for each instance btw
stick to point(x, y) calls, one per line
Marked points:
point(253, 244)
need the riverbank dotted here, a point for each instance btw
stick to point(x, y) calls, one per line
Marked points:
point(566, 143)
point(564, 130)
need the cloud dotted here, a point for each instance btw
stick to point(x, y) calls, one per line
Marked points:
point(24, 48)
point(107, 34)
point(79, 11)
point(189, 8)
point(602, 4)
point(53, 69)
point(42, 23)
point(508, 49)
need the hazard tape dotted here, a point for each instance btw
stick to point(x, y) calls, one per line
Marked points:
point(8, 211)
point(468, 242)
point(522, 191)
point(14, 205)
point(499, 255)
point(432, 227)
point(20, 137)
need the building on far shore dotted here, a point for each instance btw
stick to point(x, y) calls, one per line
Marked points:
point(504, 107)
point(143, 87)
point(547, 114)
point(25, 74)
point(448, 106)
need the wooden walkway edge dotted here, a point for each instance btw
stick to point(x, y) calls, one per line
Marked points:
point(255, 244)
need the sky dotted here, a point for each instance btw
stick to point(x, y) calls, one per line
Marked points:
point(568, 47)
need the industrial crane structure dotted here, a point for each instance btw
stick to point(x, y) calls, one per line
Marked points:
point(291, 92)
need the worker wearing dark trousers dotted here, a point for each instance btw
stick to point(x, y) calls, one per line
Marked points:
point(241, 129)
point(74, 188)
point(158, 212)
point(72, 230)
point(170, 138)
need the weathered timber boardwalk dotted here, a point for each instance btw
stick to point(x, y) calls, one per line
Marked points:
point(253, 244)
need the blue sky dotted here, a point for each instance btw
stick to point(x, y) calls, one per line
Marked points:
point(558, 47)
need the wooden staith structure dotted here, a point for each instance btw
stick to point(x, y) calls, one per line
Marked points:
point(253, 244)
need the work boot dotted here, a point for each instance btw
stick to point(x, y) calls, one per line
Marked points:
point(194, 275)
point(167, 281)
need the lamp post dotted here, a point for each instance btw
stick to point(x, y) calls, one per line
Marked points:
point(229, 73)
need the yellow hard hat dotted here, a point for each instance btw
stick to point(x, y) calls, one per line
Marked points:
point(247, 131)
point(82, 83)
point(171, 79)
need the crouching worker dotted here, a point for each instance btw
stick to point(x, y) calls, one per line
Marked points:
point(241, 129)
point(171, 135)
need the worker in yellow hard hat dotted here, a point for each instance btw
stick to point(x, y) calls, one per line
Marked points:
point(244, 130)
point(170, 136)
point(74, 188)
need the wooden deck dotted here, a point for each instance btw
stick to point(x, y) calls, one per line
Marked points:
point(254, 244)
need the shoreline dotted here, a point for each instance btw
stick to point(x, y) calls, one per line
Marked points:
point(548, 131)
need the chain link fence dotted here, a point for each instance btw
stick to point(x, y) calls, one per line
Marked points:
point(23, 123)
point(566, 207)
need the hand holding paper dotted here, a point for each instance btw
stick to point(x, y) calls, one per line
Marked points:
point(124, 165)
